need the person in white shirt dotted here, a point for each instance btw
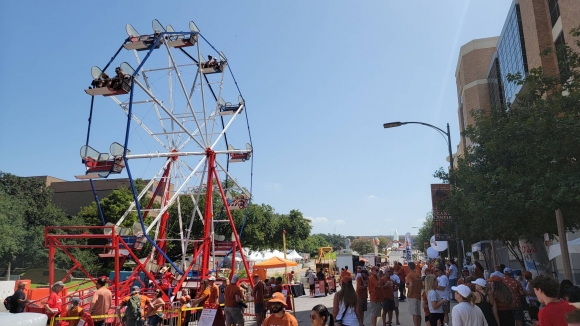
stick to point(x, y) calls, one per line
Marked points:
point(311, 279)
point(443, 289)
point(452, 275)
point(423, 269)
point(497, 272)
point(465, 313)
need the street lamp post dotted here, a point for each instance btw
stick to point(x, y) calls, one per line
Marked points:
point(448, 135)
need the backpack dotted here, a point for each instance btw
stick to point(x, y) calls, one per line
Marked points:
point(133, 310)
point(8, 303)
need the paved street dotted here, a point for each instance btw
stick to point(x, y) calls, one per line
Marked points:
point(305, 303)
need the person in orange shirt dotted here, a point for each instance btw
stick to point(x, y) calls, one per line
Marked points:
point(279, 317)
point(362, 292)
point(233, 298)
point(414, 287)
point(258, 295)
point(144, 303)
point(388, 298)
point(375, 296)
point(201, 298)
point(101, 302)
point(345, 272)
point(185, 301)
point(214, 291)
point(75, 311)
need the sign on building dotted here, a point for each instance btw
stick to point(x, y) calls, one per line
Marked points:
point(439, 193)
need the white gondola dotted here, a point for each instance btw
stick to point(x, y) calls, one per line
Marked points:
point(102, 84)
point(143, 42)
point(207, 68)
point(240, 156)
point(227, 108)
point(181, 41)
point(100, 165)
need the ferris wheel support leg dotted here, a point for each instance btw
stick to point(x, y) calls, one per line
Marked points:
point(208, 214)
point(234, 230)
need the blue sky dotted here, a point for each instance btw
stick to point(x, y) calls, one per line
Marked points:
point(319, 78)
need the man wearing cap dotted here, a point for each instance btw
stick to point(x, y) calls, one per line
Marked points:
point(233, 298)
point(465, 279)
point(143, 302)
point(74, 311)
point(278, 316)
point(101, 302)
point(214, 291)
point(517, 290)
point(464, 313)
point(555, 310)
point(258, 295)
point(375, 296)
point(54, 304)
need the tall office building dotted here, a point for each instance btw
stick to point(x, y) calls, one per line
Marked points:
point(531, 27)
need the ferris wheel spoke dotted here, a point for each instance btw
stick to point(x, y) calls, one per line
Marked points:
point(202, 92)
point(146, 80)
point(173, 118)
point(139, 122)
point(142, 193)
point(226, 128)
point(195, 199)
point(233, 179)
point(177, 193)
point(184, 90)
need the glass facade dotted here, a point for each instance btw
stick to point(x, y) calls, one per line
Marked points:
point(554, 11)
point(494, 83)
point(511, 53)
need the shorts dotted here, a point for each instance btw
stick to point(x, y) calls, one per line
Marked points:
point(311, 287)
point(362, 303)
point(426, 318)
point(234, 315)
point(518, 313)
point(446, 307)
point(388, 305)
point(396, 301)
point(258, 307)
point(375, 308)
point(414, 307)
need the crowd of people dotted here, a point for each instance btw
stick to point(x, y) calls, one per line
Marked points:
point(503, 298)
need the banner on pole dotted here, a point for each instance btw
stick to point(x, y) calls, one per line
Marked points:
point(439, 193)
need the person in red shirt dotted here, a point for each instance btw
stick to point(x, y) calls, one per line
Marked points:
point(54, 304)
point(555, 311)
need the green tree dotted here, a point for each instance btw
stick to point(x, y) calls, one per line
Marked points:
point(336, 241)
point(523, 162)
point(312, 244)
point(26, 208)
point(362, 245)
point(425, 233)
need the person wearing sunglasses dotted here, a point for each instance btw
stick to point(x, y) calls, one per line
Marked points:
point(320, 316)
point(278, 316)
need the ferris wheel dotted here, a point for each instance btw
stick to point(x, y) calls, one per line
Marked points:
point(186, 123)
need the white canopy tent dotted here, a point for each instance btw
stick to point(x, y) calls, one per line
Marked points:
point(293, 255)
point(258, 256)
point(555, 250)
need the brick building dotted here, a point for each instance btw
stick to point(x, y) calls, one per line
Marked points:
point(531, 27)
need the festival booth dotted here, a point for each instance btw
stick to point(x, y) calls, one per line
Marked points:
point(294, 289)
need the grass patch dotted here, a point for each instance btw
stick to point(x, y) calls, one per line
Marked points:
point(79, 285)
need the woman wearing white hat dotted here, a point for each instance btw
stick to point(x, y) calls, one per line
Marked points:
point(484, 300)
point(465, 313)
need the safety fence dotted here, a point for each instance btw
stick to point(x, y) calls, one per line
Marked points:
point(176, 316)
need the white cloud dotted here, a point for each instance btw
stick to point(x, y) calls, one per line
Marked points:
point(318, 220)
point(372, 197)
point(274, 186)
point(339, 222)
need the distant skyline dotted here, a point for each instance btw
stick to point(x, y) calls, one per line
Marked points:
point(319, 79)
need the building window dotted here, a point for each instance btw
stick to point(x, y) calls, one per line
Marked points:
point(559, 43)
point(554, 11)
